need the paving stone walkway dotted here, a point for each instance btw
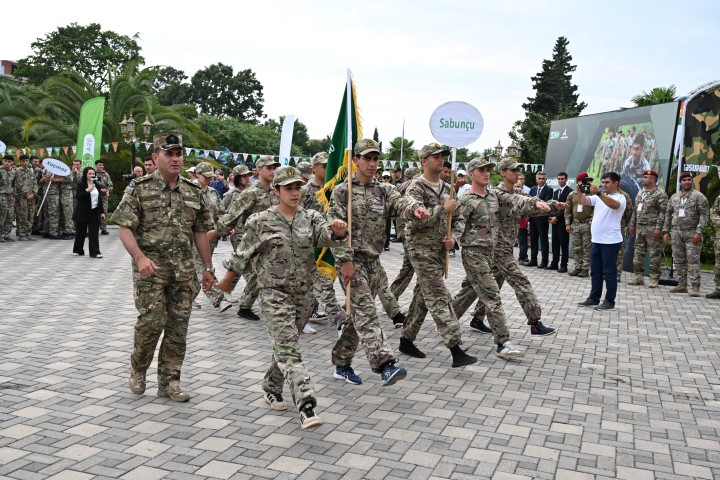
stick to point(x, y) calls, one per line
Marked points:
point(631, 394)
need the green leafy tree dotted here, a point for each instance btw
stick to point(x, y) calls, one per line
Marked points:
point(321, 145)
point(217, 90)
point(171, 87)
point(656, 96)
point(300, 136)
point(241, 136)
point(84, 49)
point(408, 152)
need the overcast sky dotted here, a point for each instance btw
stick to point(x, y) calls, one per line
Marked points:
point(407, 57)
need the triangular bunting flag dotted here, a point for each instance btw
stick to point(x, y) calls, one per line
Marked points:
point(74, 149)
point(41, 151)
point(114, 145)
point(65, 149)
point(197, 151)
point(187, 151)
point(245, 155)
point(206, 153)
point(147, 145)
point(217, 154)
point(255, 157)
point(49, 150)
point(106, 146)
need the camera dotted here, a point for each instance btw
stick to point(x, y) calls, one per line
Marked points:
point(585, 188)
point(128, 176)
point(94, 179)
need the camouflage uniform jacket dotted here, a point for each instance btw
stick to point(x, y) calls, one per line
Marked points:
point(228, 199)
point(214, 204)
point(254, 199)
point(308, 200)
point(103, 181)
point(163, 221)
point(400, 220)
point(432, 232)
point(54, 186)
point(571, 211)
point(695, 207)
point(282, 253)
point(7, 181)
point(70, 183)
point(628, 212)
point(371, 205)
point(25, 182)
point(652, 212)
point(715, 217)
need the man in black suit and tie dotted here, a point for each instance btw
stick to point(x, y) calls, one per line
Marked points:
point(560, 237)
point(539, 225)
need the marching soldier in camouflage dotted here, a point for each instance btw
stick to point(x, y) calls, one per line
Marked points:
point(161, 216)
point(687, 213)
point(372, 203)
point(624, 222)
point(205, 175)
point(404, 276)
point(258, 197)
point(279, 244)
point(7, 198)
point(504, 265)
point(578, 218)
point(646, 226)
point(67, 200)
point(715, 219)
point(25, 191)
point(39, 217)
point(426, 243)
point(105, 187)
point(241, 181)
point(51, 207)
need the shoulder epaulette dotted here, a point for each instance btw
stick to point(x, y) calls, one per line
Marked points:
point(189, 182)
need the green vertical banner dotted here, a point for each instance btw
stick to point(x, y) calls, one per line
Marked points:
point(90, 131)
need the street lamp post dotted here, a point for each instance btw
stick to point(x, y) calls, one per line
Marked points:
point(127, 127)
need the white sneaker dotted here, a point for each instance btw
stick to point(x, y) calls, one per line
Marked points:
point(224, 306)
point(508, 350)
point(229, 298)
point(308, 329)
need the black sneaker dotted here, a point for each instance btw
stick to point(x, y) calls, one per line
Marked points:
point(248, 314)
point(104, 232)
point(308, 417)
point(479, 325)
point(714, 295)
point(318, 316)
point(537, 329)
point(605, 306)
point(589, 302)
point(408, 348)
point(398, 320)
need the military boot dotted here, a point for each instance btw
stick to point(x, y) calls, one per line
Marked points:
point(653, 283)
point(574, 273)
point(681, 288)
point(695, 292)
point(173, 391)
point(583, 274)
point(638, 280)
point(714, 295)
point(137, 382)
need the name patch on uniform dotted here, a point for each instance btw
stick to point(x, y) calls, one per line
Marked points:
point(304, 232)
point(129, 189)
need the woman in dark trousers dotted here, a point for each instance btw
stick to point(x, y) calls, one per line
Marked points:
point(87, 214)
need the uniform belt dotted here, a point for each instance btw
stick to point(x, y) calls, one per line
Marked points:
point(587, 220)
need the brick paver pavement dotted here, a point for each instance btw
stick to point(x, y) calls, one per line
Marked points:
point(632, 393)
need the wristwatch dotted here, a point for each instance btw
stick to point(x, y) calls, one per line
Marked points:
point(210, 270)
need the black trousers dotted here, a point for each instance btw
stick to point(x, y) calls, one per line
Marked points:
point(91, 230)
point(539, 238)
point(560, 244)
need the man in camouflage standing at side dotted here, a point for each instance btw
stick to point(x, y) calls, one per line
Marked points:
point(39, 217)
point(160, 217)
point(646, 226)
point(7, 198)
point(577, 222)
point(105, 187)
point(687, 213)
point(624, 222)
point(67, 200)
point(715, 219)
point(405, 275)
point(25, 191)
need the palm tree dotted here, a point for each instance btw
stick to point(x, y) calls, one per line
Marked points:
point(656, 96)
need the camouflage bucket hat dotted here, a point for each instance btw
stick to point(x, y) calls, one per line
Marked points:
point(432, 149)
point(479, 162)
point(167, 141)
point(205, 169)
point(319, 158)
point(286, 176)
point(508, 164)
point(365, 146)
point(305, 170)
point(266, 160)
point(241, 170)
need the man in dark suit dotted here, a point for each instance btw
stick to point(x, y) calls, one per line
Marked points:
point(560, 237)
point(539, 226)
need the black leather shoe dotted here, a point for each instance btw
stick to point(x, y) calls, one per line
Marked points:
point(553, 266)
point(543, 265)
point(605, 306)
point(589, 302)
point(531, 264)
point(562, 270)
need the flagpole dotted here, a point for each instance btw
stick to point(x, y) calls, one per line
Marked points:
point(452, 196)
point(402, 143)
point(348, 95)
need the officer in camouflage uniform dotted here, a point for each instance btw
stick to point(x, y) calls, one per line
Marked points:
point(205, 175)
point(715, 219)
point(646, 226)
point(687, 213)
point(7, 198)
point(25, 191)
point(404, 276)
point(504, 265)
point(426, 244)
point(624, 222)
point(38, 217)
point(160, 217)
point(67, 200)
point(258, 197)
point(105, 187)
point(279, 243)
point(578, 218)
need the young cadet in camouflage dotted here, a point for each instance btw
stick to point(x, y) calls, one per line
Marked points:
point(504, 265)
point(241, 181)
point(67, 200)
point(578, 218)
point(105, 186)
point(25, 191)
point(279, 244)
point(715, 219)
point(372, 203)
point(404, 276)
point(51, 207)
point(624, 222)
point(161, 216)
point(205, 175)
point(687, 213)
point(646, 226)
point(426, 243)
point(305, 171)
point(7, 198)
point(258, 197)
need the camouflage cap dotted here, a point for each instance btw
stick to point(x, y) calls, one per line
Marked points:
point(305, 170)
point(478, 162)
point(410, 172)
point(167, 141)
point(432, 149)
point(508, 164)
point(365, 146)
point(286, 175)
point(266, 160)
point(319, 158)
point(241, 170)
point(205, 169)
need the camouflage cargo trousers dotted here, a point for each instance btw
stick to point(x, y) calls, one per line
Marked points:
point(646, 244)
point(582, 242)
point(404, 276)
point(686, 256)
point(717, 263)
point(363, 326)
point(214, 295)
point(621, 253)
point(38, 223)
point(250, 294)
point(164, 309)
point(504, 268)
point(324, 295)
point(67, 205)
point(52, 214)
point(285, 315)
point(103, 222)
point(430, 294)
point(25, 211)
point(7, 214)
point(388, 300)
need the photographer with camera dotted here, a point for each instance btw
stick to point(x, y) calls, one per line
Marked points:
point(606, 238)
point(105, 186)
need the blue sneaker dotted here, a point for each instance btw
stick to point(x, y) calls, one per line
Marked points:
point(391, 374)
point(348, 374)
